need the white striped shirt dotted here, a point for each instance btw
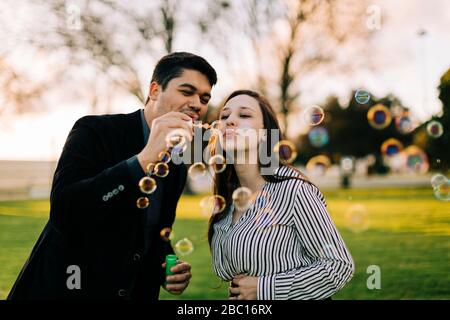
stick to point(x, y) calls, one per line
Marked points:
point(287, 239)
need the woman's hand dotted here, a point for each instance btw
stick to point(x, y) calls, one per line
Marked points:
point(244, 288)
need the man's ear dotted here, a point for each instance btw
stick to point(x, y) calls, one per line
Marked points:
point(154, 91)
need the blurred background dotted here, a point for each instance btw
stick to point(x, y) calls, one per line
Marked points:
point(361, 88)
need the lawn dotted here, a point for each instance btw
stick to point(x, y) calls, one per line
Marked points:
point(408, 238)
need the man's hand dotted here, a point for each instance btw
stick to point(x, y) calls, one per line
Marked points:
point(244, 288)
point(160, 129)
point(179, 281)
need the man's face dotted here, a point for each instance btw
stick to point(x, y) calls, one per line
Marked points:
point(189, 93)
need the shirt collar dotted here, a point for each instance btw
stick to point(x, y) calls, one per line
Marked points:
point(145, 127)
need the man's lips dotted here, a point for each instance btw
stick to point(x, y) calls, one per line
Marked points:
point(193, 116)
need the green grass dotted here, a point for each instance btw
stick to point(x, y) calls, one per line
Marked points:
point(408, 238)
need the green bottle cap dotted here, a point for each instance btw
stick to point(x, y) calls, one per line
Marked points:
point(171, 260)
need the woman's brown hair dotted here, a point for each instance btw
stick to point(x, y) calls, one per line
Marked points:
point(227, 181)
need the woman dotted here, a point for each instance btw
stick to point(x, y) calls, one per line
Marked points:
point(284, 245)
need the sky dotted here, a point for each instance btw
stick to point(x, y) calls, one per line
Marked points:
point(407, 65)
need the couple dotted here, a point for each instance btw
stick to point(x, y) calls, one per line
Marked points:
point(98, 244)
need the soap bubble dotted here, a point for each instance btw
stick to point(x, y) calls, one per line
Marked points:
point(313, 116)
point(416, 160)
point(362, 96)
point(438, 179)
point(164, 156)
point(442, 191)
point(435, 129)
point(161, 169)
point(147, 185)
point(318, 165)
point(184, 247)
point(212, 205)
point(197, 171)
point(285, 151)
point(217, 162)
point(357, 218)
point(379, 116)
point(318, 137)
point(142, 202)
point(167, 234)
point(391, 147)
point(242, 198)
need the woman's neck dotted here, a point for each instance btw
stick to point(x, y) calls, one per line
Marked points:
point(249, 176)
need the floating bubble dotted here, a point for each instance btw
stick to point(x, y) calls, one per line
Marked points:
point(217, 162)
point(212, 205)
point(147, 185)
point(167, 234)
point(179, 149)
point(242, 198)
point(318, 165)
point(164, 156)
point(161, 169)
point(404, 123)
point(314, 115)
point(177, 141)
point(435, 129)
point(391, 147)
point(357, 218)
point(318, 137)
point(184, 247)
point(438, 179)
point(197, 171)
point(285, 151)
point(442, 191)
point(379, 116)
point(142, 202)
point(416, 160)
point(362, 96)
point(150, 168)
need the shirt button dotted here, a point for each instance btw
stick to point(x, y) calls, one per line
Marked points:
point(122, 293)
point(137, 257)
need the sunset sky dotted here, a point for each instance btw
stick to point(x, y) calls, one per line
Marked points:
point(407, 65)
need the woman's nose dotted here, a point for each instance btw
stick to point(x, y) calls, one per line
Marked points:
point(230, 122)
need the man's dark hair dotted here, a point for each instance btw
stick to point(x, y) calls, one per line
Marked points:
point(173, 65)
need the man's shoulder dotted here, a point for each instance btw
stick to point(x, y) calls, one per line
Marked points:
point(106, 120)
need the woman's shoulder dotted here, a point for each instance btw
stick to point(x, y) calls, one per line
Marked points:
point(299, 184)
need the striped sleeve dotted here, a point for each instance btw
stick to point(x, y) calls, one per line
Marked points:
point(332, 265)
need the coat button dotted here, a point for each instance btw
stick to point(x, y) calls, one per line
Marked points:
point(122, 293)
point(137, 257)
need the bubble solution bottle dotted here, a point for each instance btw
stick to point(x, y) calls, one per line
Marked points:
point(171, 260)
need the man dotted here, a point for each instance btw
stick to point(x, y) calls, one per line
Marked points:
point(97, 242)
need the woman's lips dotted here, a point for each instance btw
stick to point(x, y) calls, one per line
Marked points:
point(229, 133)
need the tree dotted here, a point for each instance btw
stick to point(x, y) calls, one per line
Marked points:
point(439, 148)
point(350, 133)
point(103, 43)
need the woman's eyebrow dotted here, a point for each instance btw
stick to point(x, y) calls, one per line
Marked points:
point(240, 107)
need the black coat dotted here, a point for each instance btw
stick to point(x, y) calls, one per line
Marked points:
point(105, 239)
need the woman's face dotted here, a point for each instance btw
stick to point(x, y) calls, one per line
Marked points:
point(240, 123)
